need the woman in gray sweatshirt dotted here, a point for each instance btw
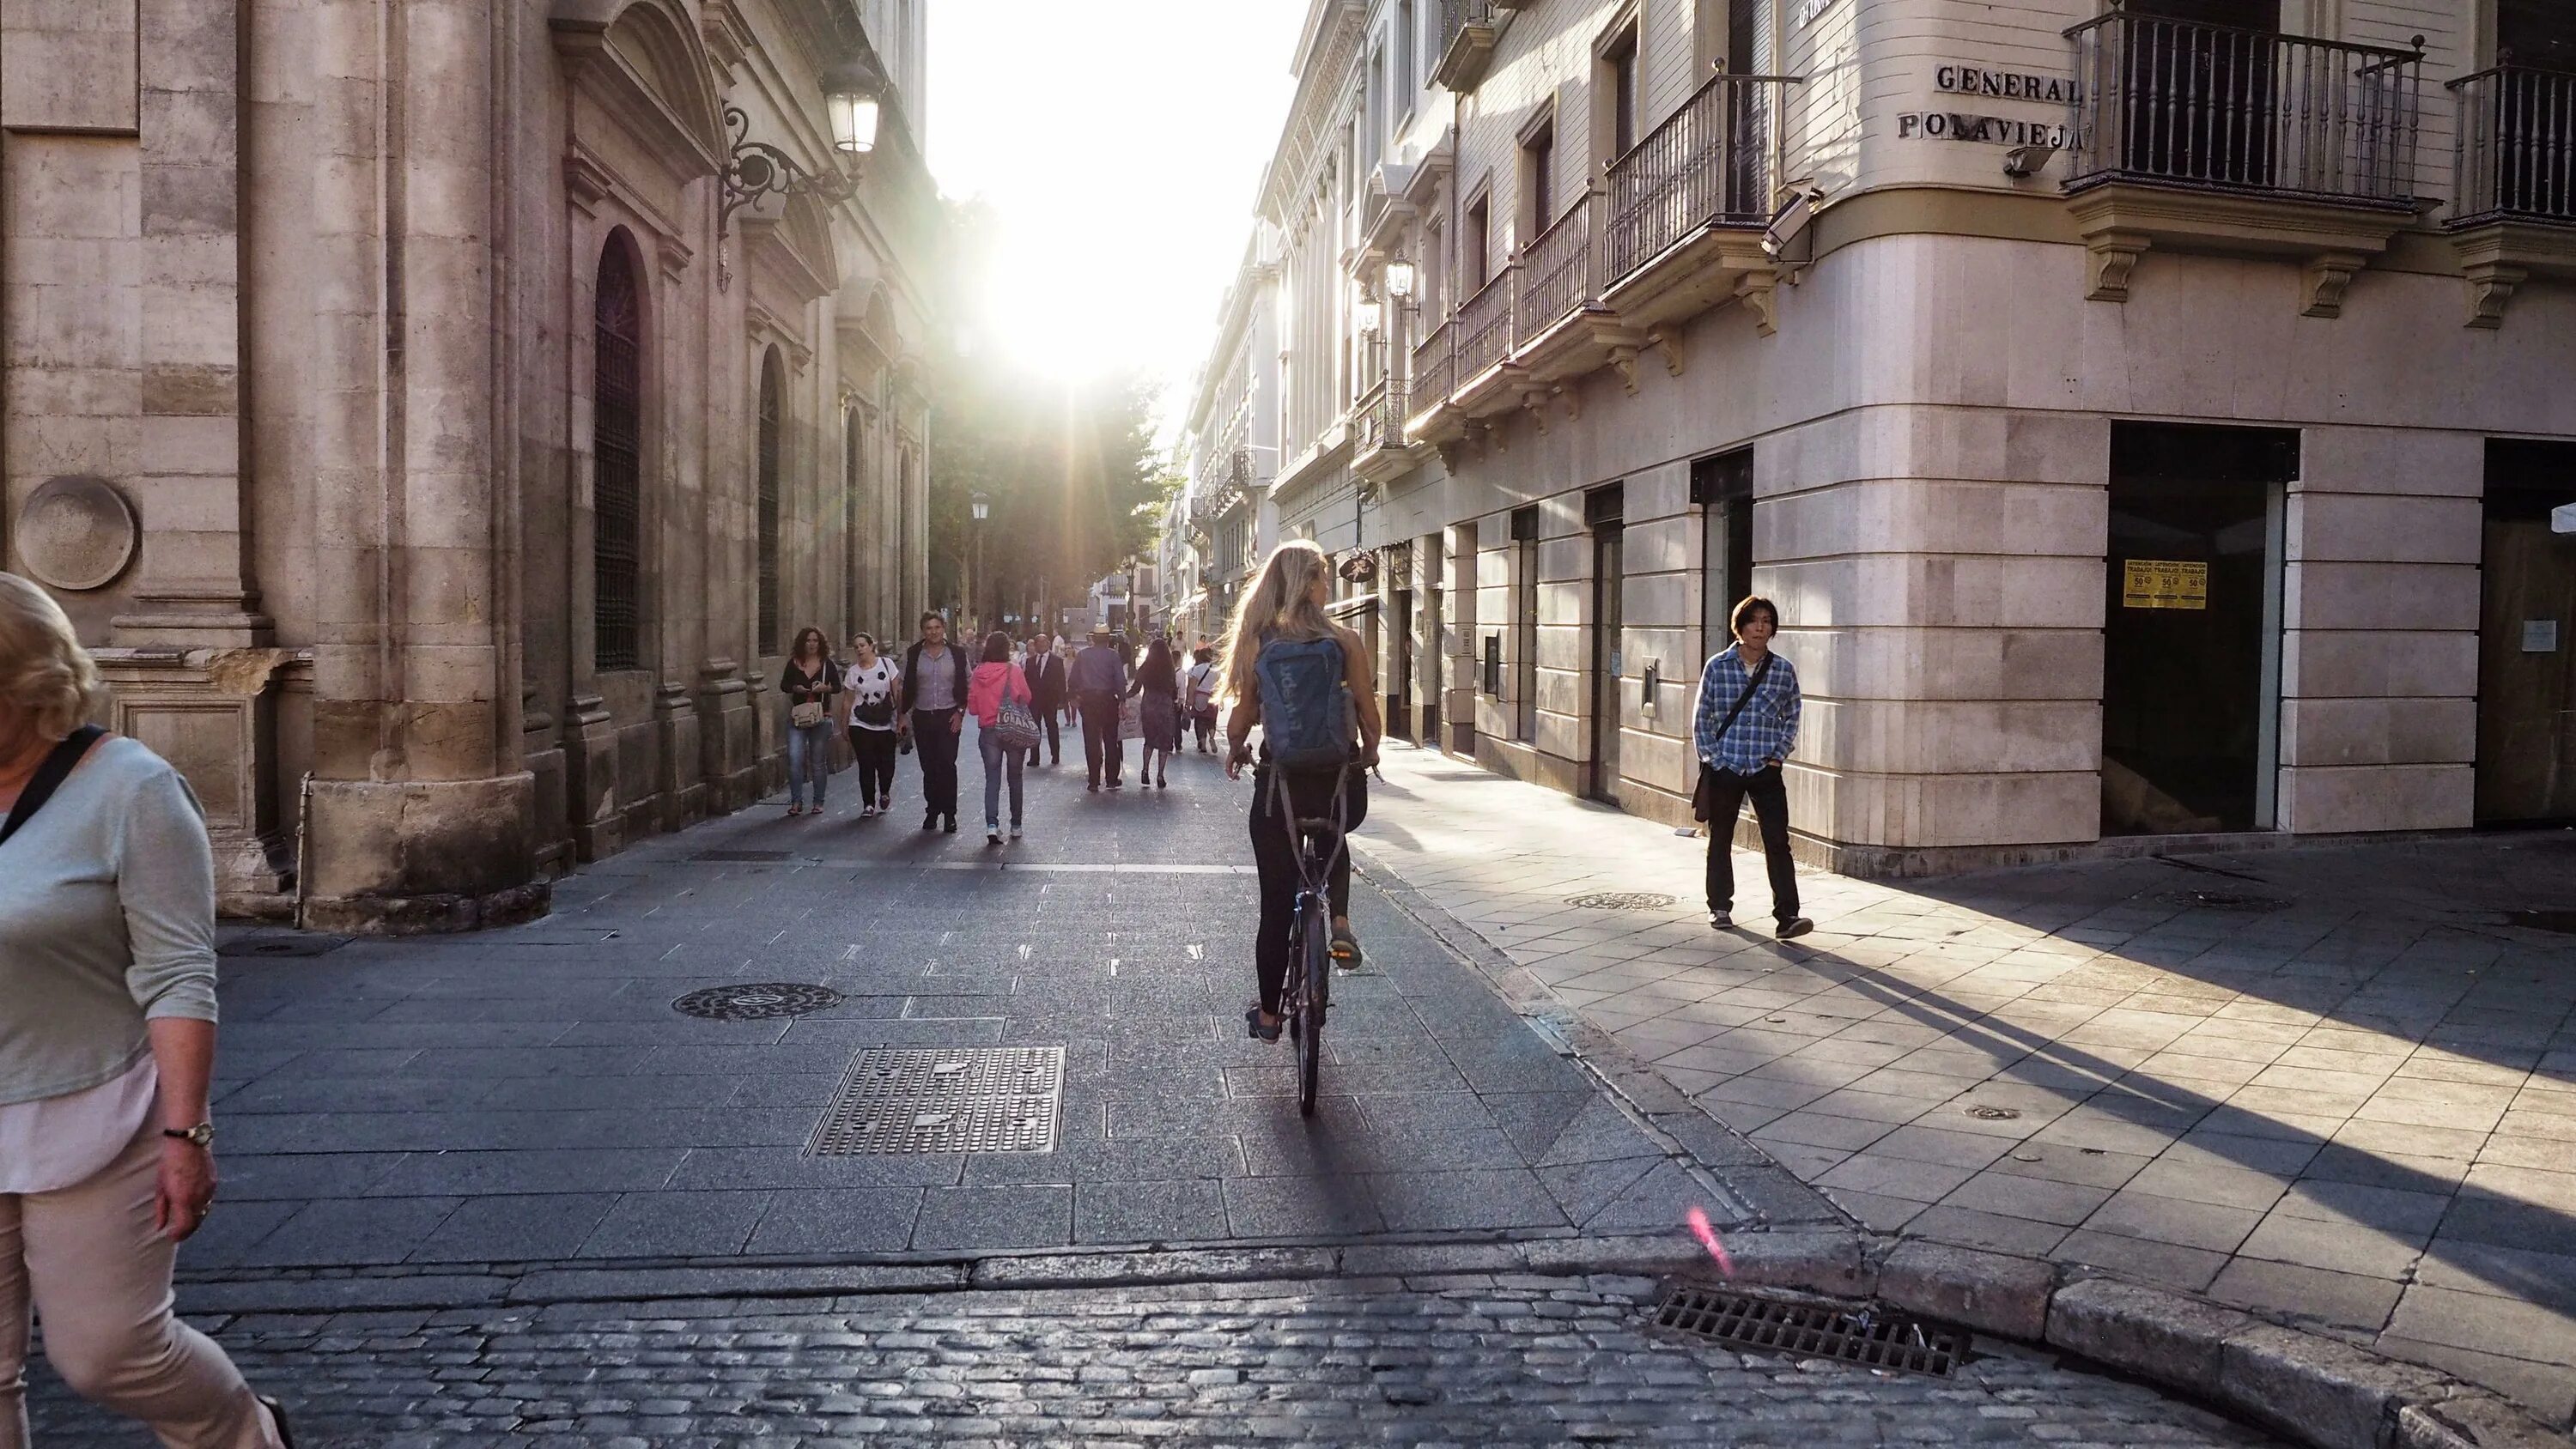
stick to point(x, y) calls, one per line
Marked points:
point(107, 1042)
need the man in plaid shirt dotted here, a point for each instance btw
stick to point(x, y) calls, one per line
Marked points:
point(1740, 751)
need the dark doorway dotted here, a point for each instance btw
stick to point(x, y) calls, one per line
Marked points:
point(1399, 674)
point(2191, 627)
point(2536, 33)
point(2527, 638)
point(1722, 487)
point(1603, 512)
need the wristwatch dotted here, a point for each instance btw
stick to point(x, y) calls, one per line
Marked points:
point(202, 1135)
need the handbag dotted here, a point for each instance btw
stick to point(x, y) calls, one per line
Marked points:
point(806, 716)
point(1014, 726)
point(1704, 797)
point(49, 775)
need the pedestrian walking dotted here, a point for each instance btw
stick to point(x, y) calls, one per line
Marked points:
point(1745, 725)
point(997, 684)
point(1046, 676)
point(1099, 682)
point(935, 675)
point(810, 680)
point(1203, 678)
point(1286, 607)
point(107, 1045)
point(870, 681)
point(1157, 691)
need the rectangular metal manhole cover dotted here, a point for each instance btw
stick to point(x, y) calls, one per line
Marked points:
point(932, 1099)
point(1872, 1336)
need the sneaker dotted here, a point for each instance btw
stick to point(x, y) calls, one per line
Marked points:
point(1795, 926)
point(930, 821)
point(951, 826)
point(1720, 920)
point(1117, 784)
point(867, 812)
point(992, 837)
point(1015, 832)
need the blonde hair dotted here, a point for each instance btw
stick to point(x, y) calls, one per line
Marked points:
point(43, 668)
point(1282, 602)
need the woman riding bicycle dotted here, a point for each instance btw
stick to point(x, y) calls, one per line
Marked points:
point(1287, 606)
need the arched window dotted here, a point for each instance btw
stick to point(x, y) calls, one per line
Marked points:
point(616, 433)
point(770, 388)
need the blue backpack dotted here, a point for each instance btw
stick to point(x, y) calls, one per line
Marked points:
point(1308, 718)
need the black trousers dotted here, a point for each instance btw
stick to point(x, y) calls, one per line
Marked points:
point(934, 738)
point(1101, 746)
point(1771, 811)
point(1274, 852)
point(1054, 747)
point(874, 751)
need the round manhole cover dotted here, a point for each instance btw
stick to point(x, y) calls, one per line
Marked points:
point(756, 1001)
point(1622, 901)
point(2229, 901)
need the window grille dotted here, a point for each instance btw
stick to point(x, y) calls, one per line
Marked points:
point(616, 492)
point(769, 390)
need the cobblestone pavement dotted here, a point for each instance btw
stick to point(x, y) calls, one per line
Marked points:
point(2335, 1085)
point(1444, 1362)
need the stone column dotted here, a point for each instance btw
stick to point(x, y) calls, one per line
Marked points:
point(420, 816)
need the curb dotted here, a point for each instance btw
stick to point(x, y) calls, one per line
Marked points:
point(2318, 1391)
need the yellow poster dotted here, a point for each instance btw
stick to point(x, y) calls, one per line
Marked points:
point(2157, 583)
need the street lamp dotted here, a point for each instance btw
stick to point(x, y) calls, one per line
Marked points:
point(1400, 277)
point(850, 99)
point(980, 504)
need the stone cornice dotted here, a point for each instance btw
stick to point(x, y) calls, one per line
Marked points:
point(1323, 91)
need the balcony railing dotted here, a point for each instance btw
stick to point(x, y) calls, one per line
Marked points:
point(1708, 164)
point(2182, 103)
point(1484, 327)
point(1382, 417)
point(1467, 31)
point(1435, 365)
point(1555, 273)
point(2517, 146)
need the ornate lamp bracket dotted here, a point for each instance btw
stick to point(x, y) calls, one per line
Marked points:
point(754, 169)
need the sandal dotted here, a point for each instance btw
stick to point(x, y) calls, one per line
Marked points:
point(795, 810)
point(1345, 949)
point(1252, 1019)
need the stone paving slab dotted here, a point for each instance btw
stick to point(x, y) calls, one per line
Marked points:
point(529, 1095)
point(2333, 1085)
point(1468, 1360)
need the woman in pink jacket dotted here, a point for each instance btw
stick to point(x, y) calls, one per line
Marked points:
point(997, 679)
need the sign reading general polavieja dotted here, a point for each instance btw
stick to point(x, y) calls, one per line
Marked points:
point(2009, 85)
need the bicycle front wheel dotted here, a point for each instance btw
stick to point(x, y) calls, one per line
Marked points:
point(1314, 959)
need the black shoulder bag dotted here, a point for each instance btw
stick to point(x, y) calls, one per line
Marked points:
point(49, 777)
point(1703, 798)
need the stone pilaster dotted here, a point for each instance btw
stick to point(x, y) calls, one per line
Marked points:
point(728, 737)
point(544, 760)
point(590, 779)
point(682, 785)
point(212, 713)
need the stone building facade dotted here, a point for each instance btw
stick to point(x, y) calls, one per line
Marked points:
point(2147, 417)
point(1231, 442)
point(436, 441)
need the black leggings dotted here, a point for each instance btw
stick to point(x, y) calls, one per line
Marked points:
point(1274, 850)
point(874, 750)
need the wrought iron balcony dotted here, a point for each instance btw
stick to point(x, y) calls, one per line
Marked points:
point(1468, 32)
point(2516, 158)
point(1555, 274)
point(2178, 103)
point(1435, 368)
point(1707, 165)
point(1484, 328)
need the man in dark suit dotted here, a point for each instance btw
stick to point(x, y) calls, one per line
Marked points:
point(1046, 684)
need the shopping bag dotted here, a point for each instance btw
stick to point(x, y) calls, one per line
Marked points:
point(1131, 719)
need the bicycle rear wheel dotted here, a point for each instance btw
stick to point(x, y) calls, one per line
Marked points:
point(1315, 968)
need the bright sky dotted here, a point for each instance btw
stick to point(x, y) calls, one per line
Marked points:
point(1121, 142)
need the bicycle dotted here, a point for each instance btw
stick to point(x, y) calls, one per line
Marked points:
point(1307, 993)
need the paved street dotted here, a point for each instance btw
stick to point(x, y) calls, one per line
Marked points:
point(1459, 1361)
point(498, 1146)
point(2337, 1086)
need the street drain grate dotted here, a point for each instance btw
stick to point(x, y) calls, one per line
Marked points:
point(2229, 901)
point(960, 1099)
point(1871, 1337)
point(756, 1001)
point(1622, 901)
point(740, 857)
point(1994, 1114)
point(300, 945)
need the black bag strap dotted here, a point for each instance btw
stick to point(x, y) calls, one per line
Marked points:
point(49, 777)
point(1745, 698)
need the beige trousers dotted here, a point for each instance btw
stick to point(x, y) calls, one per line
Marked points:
point(89, 1260)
